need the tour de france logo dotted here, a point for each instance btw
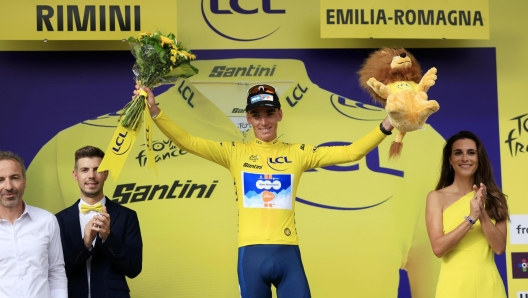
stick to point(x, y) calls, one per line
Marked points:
point(517, 139)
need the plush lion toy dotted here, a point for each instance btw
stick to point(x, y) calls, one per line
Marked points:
point(394, 79)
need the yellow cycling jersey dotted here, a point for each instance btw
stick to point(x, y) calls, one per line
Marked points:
point(266, 176)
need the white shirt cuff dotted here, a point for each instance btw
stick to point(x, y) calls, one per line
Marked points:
point(59, 293)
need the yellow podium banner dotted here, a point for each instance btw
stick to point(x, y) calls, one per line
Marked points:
point(118, 150)
point(84, 20)
point(121, 144)
point(448, 19)
point(147, 124)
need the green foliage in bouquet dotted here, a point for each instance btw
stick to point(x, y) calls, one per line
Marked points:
point(160, 59)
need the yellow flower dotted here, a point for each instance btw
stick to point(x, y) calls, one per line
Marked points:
point(187, 55)
point(141, 35)
point(173, 59)
point(174, 52)
point(165, 40)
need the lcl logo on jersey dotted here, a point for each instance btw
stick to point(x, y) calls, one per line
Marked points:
point(252, 17)
point(280, 163)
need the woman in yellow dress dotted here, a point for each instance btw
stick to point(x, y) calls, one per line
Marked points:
point(466, 221)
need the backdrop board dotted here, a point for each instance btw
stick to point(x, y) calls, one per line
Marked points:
point(348, 226)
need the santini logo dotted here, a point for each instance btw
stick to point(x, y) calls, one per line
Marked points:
point(242, 71)
point(251, 166)
point(235, 8)
point(130, 193)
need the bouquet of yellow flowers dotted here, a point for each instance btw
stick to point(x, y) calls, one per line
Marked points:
point(160, 59)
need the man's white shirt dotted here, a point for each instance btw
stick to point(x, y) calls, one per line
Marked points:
point(84, 219)
point(31, 259)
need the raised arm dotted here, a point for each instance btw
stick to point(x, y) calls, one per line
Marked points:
point(387, 126)
point(324, 156)
point(214, 151)
point(151, 99)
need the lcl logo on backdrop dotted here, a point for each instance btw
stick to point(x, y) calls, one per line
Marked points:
point(229, 18)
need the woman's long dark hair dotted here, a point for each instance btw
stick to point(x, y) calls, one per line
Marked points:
point(495, 201)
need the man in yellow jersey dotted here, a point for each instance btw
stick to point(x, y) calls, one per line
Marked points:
point(359, 223)
point(266, 173)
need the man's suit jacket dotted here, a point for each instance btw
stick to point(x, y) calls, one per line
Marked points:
point(119, 256)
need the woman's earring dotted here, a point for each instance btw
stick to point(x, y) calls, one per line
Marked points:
point(450, 167)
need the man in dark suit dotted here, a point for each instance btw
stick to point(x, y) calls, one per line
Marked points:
point(101, 240)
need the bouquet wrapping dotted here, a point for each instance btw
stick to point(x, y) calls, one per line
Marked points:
point(160, 59)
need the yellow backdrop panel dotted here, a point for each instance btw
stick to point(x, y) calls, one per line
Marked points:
point(451, 19)
point(84, 20)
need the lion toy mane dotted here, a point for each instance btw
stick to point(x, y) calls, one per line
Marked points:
point(393, 78)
